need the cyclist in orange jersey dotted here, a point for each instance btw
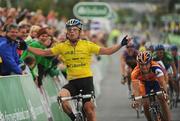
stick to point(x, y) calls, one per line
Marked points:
point(146, 76)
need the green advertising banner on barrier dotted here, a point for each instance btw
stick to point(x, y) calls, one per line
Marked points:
point(52, 92)
point(19, 100)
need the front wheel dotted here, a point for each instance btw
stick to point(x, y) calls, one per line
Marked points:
point(156, 116)
point(80, 117)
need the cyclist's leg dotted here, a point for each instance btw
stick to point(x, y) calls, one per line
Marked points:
point(171, 91)
point(129, 78)
point(146, 109)
point(178, 88)
point(89, 109)
point(165, 108)
point(176, 95)
point(163, 102)
point(145, 102)
point(89, 106)
point(67, 90)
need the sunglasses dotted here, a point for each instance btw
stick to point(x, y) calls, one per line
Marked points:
point(72, 29)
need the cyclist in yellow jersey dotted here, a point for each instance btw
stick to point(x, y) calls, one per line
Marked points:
point(77, 57)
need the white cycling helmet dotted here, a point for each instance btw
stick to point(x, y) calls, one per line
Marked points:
point(74, 22)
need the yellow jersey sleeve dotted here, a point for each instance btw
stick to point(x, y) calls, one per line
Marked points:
point(57, 49)
point(94, 48)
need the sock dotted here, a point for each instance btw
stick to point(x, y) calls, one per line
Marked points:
point(72, 116)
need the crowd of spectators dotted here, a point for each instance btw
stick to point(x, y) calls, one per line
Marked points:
point(172, 27)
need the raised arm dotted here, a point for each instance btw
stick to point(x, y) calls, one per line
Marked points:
point(122, 65)
point(109, 50)
point(174, 69)
point(114, 48)
point(41, 52)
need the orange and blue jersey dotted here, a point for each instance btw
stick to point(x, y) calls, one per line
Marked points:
point(147, 81)
point(155, 72)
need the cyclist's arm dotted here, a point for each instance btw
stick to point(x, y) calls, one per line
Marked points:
point(178, 70)
point(135, 82)
point(161, 79)
point(162, 82)
point(169, 58)
point(109, 50)
point(114, 48)
point(40, 52)
point(135, 87)
point(174, 68)
point(122, 65)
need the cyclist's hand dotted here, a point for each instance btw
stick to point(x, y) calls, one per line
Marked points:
point(178, 75)
point(22, 45)
point(124, 79)
point(135, 104)
point(165, 95)
point(125, 40)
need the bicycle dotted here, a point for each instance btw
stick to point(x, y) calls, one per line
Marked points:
point(154, 108)
point(177, 92)
point(173, 92)
point(78, 100)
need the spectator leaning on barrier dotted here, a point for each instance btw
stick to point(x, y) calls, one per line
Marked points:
point(8, 53)
point(44, 40)
point(31, 63)
point(77, 54)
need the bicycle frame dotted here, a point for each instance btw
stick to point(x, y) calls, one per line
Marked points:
point(173, 92)
point(80, 115)
point(154, 108)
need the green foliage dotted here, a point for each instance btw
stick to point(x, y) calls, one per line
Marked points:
point(65, 7)
point(44, 5)
point(125, 15)
point(62, 7)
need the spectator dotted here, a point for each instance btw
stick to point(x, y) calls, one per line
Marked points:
point(142, 46)
point(32, 34)
point(8, 53)
point(43, 63)
point(30, 61)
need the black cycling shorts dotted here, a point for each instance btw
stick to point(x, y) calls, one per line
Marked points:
point(84, 84)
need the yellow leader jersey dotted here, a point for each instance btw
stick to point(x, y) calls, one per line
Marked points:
point(77, 58)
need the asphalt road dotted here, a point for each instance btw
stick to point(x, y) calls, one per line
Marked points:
point(113, 103)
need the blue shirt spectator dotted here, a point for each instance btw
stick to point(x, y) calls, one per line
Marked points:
point(8, 52)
